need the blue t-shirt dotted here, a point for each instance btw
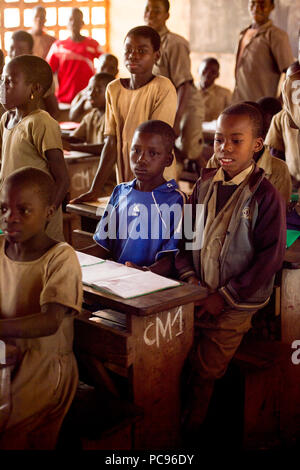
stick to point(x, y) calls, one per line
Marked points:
point(141, 226)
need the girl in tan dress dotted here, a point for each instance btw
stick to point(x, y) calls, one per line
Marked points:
point(40, 290)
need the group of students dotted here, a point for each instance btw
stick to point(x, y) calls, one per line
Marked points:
point(243, 231)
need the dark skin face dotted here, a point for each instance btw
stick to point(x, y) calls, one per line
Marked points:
point(24, 215)
point(139, 57)
point(19, 48)
point(108, 65)
point(17, 87)
point(75, 24)
point(260, 11)
point(96, 93)
point(208, 72)
point(155, 15)
point(39, 20)
point(235, 143)
point(148, 159)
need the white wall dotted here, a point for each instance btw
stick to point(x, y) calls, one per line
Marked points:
point(126, 14)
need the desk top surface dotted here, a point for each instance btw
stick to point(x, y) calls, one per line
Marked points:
point(150, 303)
point(75, 156)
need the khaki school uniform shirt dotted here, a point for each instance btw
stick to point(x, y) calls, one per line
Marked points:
point(25, 145)
point(127, 109)
point(215, 99)
point(264, 58)
point(276, 170)
point(175, 64)
point(44, 382)
point(283, 137)
point(91, 130)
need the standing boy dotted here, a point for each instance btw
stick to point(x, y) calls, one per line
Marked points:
point(243, 247)
point(72, 59)
point(42, 40)
point(264, 52)
point(175, 64)
point(215, 97)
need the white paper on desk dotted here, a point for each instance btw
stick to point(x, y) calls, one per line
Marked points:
point(76, 154)
point(88, 260)
point(124, 281)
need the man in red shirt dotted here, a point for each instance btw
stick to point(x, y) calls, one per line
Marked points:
point(72, 59)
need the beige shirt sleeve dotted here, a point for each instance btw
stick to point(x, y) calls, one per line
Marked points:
point(166, 103)
point(110, 121)
point(281, 49)
point(81, 131)
point(274, 136)
point(179, 64)
point(281, 178)
point(47, 134)
point(62, 279)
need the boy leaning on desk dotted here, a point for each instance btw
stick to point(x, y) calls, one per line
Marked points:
point(141, 225)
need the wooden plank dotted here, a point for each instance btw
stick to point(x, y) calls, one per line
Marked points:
point(86, 210)
point(290, 305)
point(150, 303)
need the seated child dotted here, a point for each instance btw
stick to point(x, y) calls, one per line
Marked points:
point(131, 101)
point(40, 291)
point(22, 43)
point(81, 105)
point(282, 137)
point(30, 136)
point(215, 97)
point(276, 170)
point(89, 136)
point(143, 216)
point(243, 246)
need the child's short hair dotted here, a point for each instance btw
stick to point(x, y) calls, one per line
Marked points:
point(106, 78)
point(166, 4)
point(250, 110)
point(212, 61)
point(33, 177)
point(159, 128)
point(23, 36)
point(36, 70)
point(270, 105)
point(146, 32)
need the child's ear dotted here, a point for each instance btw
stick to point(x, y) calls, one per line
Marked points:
point(259, 143)
point(169, 159)
point(157, 56)
point(37, 89)
point(50, 212)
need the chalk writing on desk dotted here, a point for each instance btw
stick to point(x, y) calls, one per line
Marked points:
point(81, 180)
point(172, 327)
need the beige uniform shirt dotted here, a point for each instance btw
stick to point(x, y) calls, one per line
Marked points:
point(44, 382)
point(215, 99)
point(276, 171)
point(175, 64)
point(91, 130)
point(42, 44)
point(25, 145)
point(281, 136)
point(264, 58)
point(127, 109)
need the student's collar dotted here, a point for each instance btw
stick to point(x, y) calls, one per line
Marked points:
point(260, 29)
point(236, 180)
point(163, 31)
point(166, 187)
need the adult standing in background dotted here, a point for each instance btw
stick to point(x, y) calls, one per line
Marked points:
point(175, 64)
point(73, 58)
point(264, 52)
point(42, 40)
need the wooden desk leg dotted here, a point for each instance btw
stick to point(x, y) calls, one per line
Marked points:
point(162, 342)
point(290, 305)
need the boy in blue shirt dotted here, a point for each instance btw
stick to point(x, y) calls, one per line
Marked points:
point(141, 225)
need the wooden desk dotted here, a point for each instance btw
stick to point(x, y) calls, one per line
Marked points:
point(89, 212)
point(82, 168)
point(149, 351)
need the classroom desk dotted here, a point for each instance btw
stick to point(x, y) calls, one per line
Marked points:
point(148, 346)
point(89, 212)
point(82, 167)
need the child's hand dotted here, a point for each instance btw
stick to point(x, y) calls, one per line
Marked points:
point(213, 304)
point(133, 265)
point(193, 280)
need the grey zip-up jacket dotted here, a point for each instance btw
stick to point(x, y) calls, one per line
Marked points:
point(254, 245)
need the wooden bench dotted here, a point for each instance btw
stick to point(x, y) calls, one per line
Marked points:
point(98, 421)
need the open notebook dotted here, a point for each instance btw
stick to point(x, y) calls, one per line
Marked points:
point(119, 279)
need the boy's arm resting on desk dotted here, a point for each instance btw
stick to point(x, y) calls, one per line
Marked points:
point(59, 173)
point(269, 239)
point(163, 266)
point(44, 323)
point(107, 160)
